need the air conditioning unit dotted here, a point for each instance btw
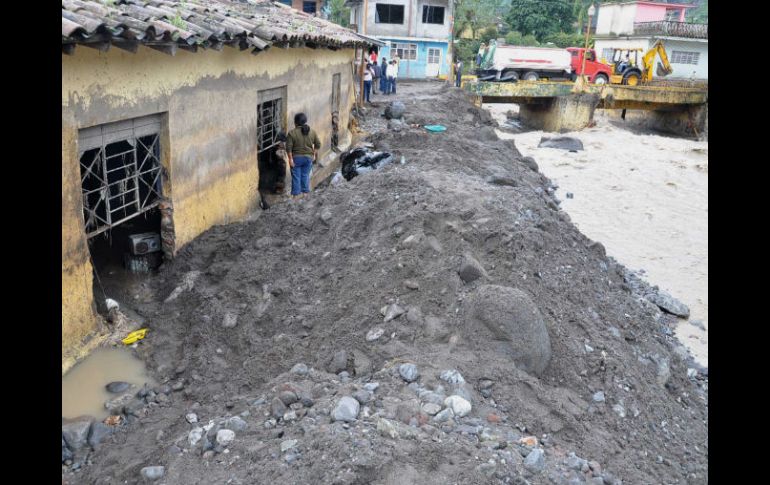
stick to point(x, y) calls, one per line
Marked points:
point(145, 243)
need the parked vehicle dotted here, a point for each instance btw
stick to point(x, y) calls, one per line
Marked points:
point(502, 62)
point(638, 69)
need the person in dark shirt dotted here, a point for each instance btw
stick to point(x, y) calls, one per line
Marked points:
point(302, 145)
point(384, 76)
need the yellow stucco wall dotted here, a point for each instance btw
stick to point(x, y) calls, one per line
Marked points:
point(209, 148)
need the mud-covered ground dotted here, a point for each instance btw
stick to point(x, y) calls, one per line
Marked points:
point(317, 282)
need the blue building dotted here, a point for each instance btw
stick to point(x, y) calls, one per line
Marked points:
point(417, 31)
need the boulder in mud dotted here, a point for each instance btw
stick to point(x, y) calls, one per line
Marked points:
point(561, 142)
point(470, 269)
point(346, 409)
point(530, 163)
point(75, 432)
point(153, 473)
point(395, 110)
point(669, 304)
point(512, 316)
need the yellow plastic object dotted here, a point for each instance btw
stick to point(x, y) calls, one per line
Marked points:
point(135, 336)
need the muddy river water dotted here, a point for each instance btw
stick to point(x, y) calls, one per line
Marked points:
point(83, 391)
point(645, 198)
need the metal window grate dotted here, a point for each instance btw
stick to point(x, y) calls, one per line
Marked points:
point(685, 57)
point(269, 123)
point(120, 172)
point(434, 56)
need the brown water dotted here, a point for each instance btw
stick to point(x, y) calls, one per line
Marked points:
point(83, 389)
point(645, 198)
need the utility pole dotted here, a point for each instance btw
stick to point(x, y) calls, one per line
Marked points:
point(362, 29)
point(582, 81)
point(451, 49)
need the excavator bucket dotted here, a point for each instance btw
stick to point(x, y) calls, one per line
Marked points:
point(662, 71)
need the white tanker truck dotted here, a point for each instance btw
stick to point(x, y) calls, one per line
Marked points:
point(500, 62)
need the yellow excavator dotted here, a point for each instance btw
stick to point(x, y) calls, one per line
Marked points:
point(631, 67)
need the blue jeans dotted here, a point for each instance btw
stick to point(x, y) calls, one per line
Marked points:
point(391, 85)
point(300, 175)
point(384, 85)
point(367, 90)
point(459, 79)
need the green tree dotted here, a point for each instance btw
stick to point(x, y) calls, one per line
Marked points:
point(516, 38)
point(541, 17)
point(477, 15)
point(338, 13)
point(700, 14)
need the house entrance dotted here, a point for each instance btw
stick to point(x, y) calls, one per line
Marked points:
point(122, 190)
point(271, 123)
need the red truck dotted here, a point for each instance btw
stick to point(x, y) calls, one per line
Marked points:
point(597, 72)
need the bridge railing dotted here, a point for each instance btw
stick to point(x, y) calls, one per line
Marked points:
point(674, 29)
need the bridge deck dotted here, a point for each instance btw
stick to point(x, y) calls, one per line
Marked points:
point(611, 96)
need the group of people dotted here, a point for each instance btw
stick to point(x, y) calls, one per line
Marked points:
point(382, 75)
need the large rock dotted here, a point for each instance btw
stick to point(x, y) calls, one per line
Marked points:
point(512, 317)
point(395, 109)
point(561, 142)
point(98, 432)
point(75, 432)
point(346, 409)
point(408, 372)
point(470, 269)
point(116, 405)
point(459, 405)
point(338, 363)
point(153, 472)
point(117, 387)
point(535, 461)
point(669, 304)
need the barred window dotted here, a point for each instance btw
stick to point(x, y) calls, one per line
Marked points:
point(685, 57)
point(607, 54)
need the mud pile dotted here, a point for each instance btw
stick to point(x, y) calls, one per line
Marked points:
point(438, 321)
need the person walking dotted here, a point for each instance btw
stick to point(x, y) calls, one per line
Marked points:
point(368, 76)
point(459, 72)
point(384, 76)
point(302, 145)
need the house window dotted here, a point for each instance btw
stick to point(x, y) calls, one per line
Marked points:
point(120, 171)
point(434, 56)
point(685, 57)
point(432, 15)
point(406, 52)
point(269, 123)
point(607, 54)
point(308, 7)
point(285, 2)
point(389, 14)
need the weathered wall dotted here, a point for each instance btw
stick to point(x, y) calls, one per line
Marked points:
point(210, 145)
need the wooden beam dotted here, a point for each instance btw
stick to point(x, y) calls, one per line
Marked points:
point(101, 46)
point(129, 46)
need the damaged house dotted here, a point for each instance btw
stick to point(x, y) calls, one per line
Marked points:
point(170, 116)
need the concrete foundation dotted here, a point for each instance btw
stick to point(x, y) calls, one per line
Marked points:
point(561, 114)
point(689, 121)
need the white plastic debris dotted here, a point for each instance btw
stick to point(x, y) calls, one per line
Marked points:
point(111, 304)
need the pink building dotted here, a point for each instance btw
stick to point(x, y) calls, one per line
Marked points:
point(624, 25)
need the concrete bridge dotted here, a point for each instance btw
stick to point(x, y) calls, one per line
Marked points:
point(556, 106)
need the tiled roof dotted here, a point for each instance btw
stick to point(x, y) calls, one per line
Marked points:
point(198, 24)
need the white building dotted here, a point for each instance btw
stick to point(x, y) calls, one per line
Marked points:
point(418, 31)
point(641, 24)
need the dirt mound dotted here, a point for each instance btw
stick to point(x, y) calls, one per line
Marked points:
point(278, 298)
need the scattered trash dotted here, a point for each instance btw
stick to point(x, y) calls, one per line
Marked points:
point(570, 195)
point(361, 160)
point(111, 304)
point(435, 128)
point(134, 336)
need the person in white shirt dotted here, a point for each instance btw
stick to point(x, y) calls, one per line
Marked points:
point(368, 76)
point(392, 76)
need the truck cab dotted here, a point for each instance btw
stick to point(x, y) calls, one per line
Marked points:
point(596, 71)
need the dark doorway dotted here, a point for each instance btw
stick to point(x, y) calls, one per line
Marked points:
point(271, 140)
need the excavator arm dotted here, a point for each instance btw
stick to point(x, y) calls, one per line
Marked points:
point(664, 68)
